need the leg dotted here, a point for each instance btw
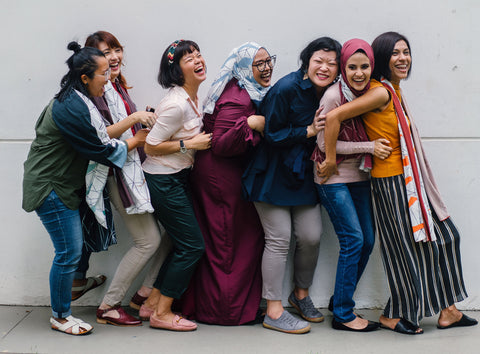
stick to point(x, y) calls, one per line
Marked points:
point(400, 257)
point(338, 202)
point(65, 230)
point(276, 222)
point(307, 228)
point(362, 199)
point(146, 238)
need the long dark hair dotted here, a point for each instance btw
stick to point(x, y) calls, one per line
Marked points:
point(383, 47)
point(82, 62)
point(96, 38)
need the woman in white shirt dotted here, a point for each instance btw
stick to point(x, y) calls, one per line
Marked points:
point(170, 149)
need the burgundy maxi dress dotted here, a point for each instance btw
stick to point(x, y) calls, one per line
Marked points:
point(227, 286)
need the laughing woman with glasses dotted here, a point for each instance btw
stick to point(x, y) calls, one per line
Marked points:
point(69, 133)
point(227, 287)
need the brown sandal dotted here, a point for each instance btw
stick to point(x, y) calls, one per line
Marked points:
point(90, 284)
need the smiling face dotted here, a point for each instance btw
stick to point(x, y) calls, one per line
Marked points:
point(95, 85)
point(358, 71)
point(400, 62)
point(264, 77)
point(193, 68)
point(114, 57)
point(322, 69)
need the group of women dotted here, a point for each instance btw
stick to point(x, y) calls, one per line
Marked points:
point(231, 182)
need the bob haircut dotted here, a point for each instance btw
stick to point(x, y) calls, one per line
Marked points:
point(170, 74)
point(112, 42)
point(82, 62)
point(323, 43)
point(383, 47)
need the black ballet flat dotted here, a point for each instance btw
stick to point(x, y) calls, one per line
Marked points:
point(405, 327)
point(372, 326)
point(465, 321)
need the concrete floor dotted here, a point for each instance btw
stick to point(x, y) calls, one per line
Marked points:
point(27, 330)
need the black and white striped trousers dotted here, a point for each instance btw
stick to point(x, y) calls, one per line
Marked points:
point(423, 277)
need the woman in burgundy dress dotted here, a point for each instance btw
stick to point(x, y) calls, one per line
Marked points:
point(227, 287)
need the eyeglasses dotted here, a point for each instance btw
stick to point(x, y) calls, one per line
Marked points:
point(262, 65)
point(106, 74)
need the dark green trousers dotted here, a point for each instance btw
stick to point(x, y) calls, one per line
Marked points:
point(173, 208)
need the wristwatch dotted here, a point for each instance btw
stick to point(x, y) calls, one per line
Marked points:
point(183, 148)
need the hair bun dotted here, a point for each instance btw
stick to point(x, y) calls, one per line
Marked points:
point(74, 46)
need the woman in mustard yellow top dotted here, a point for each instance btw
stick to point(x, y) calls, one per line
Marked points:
point(419, 242)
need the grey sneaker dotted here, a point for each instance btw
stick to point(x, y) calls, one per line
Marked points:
point(286, 323)
point(305, 308)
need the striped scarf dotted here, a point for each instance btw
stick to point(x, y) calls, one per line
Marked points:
point(418, 206)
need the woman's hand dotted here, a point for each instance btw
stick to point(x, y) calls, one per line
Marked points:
point(256, 122)
point(326, 169)
point(143, 117)
point(201, 141)
point(138, 139)
point(381, 149)
point(317, 124)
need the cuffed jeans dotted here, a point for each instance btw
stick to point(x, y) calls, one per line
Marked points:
point(173, 208)
point(349, 206)
point(279, 223)
point(65, 229)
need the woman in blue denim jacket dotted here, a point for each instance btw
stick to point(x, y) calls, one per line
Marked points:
point(67, 137)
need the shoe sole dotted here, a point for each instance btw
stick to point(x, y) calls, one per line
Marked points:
point(292, 331)
point(134, 305)
point(309, 319)
point(105, 321)
point(176, 329)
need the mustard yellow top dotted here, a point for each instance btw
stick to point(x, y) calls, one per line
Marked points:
point(385, 125)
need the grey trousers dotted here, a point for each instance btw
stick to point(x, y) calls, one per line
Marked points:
point(145, 233)
point(279, 223)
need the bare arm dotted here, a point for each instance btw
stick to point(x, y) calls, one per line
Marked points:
point(376, 98)
point(200, 141)
point(143, 117)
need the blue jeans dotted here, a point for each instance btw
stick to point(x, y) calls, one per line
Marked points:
point(349, 206)
point(65, 229)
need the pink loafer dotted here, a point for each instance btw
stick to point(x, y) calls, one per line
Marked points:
point(178, 324)
point(145, 312)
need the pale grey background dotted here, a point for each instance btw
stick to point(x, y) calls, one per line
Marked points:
point(442, 92)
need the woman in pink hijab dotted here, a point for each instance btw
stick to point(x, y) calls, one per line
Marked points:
point(346, 196)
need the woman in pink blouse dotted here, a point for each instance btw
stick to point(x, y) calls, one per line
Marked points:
point(170, 147)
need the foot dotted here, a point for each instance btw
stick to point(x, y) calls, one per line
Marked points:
point(81, 286)
point(70, 325)
point(286, 323)
point(137, 301)
point(305, 308)
point(172, 322)
point(356, 325)
point(452, 317)
point(400, 325)
point(449, 316)
point(117, 316)
point(145, 312)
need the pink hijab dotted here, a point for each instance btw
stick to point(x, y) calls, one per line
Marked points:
point(349, 48)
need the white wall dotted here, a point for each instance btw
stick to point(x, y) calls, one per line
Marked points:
point(443, 92)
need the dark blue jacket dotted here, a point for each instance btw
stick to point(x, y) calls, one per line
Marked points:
point(281, 172)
